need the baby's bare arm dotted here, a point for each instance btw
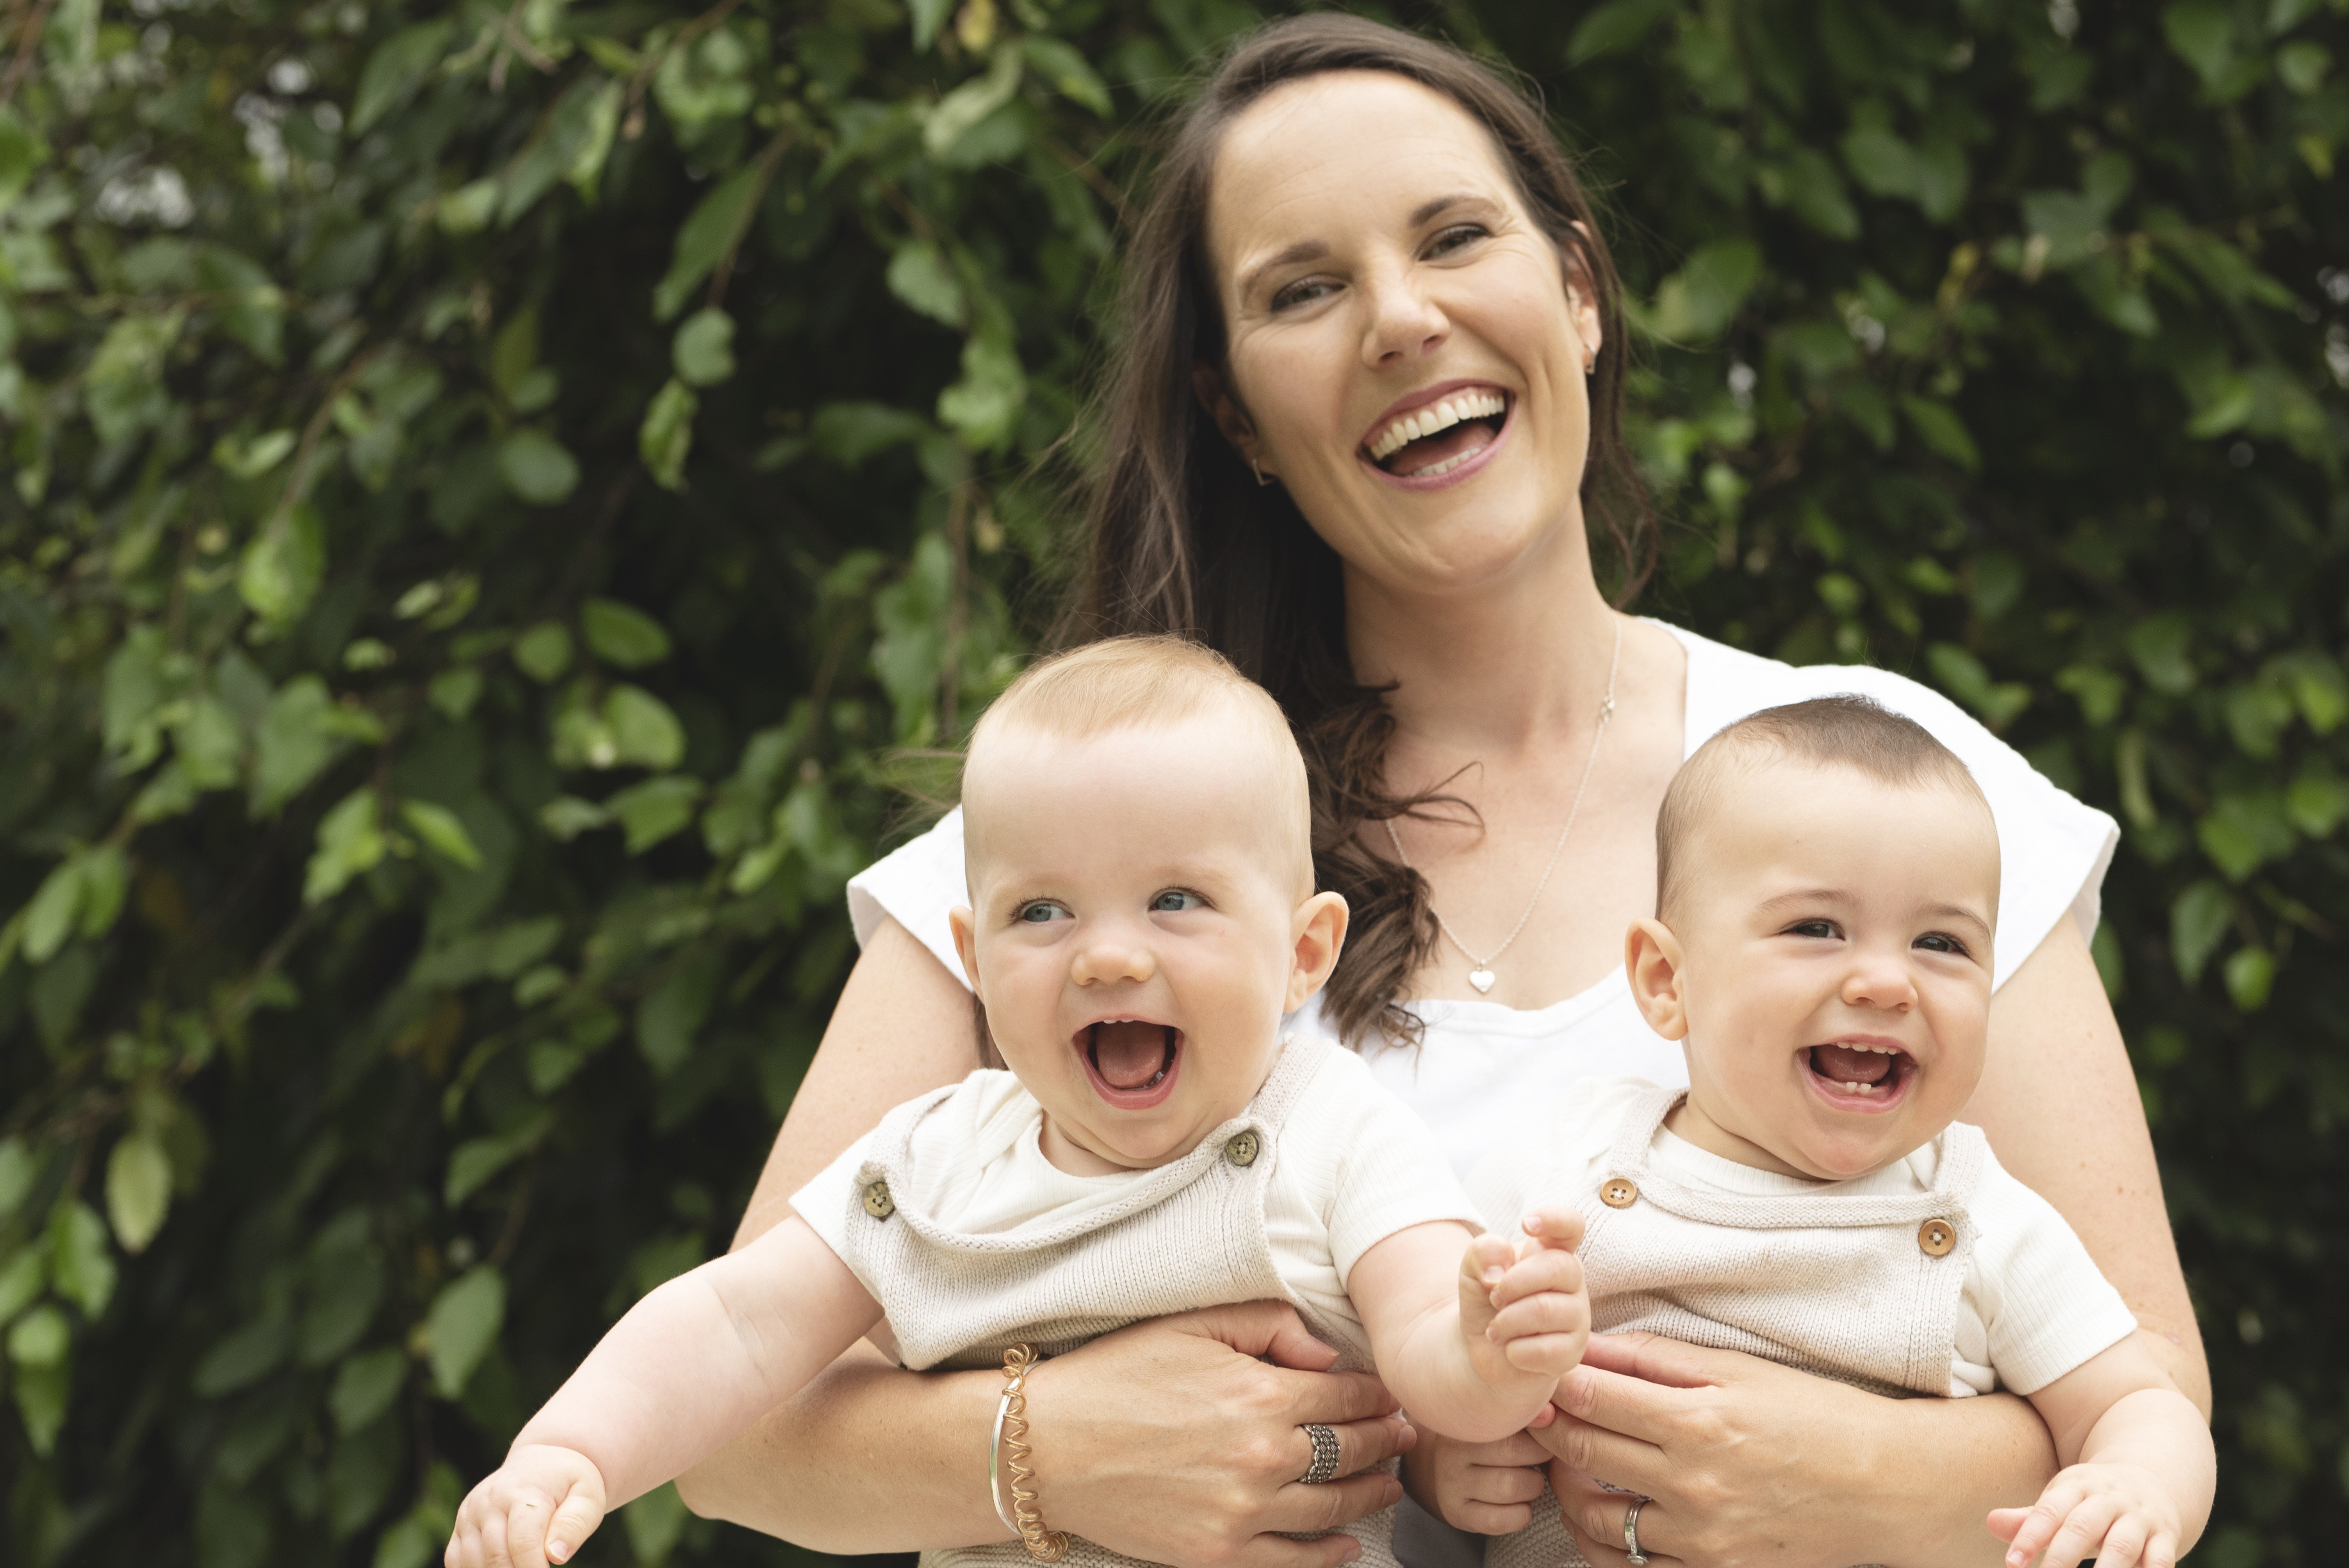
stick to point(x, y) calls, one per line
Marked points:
point(1473, 1336)
point(2139, 1470)
point(703, 1356)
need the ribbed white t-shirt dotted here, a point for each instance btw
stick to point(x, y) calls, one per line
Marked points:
point(1354, 1165)
point(2033, 1305)
point(1483, 1071)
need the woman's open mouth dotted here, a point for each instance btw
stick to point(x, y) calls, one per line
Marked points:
point(1860, 1076)
point(1133, 1062)
point(1437, 438)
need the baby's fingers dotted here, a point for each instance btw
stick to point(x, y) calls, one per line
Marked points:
point(2077, 1538)
point(575, 1522)
point(1559, 1225)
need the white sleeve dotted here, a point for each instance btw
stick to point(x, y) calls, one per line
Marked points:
point(2046, 1306)
point(824, 1203)
point(1377, 1166)
point(2053, 850)
point(915, 885)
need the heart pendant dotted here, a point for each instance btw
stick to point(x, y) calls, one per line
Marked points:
point(1482, 978)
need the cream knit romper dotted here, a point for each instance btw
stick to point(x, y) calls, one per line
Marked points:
point(1190, 1234)
point(1863, 1289)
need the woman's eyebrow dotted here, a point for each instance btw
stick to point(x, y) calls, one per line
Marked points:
point(1302, 250)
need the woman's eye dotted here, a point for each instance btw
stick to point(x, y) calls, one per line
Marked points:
point(1453, 238)
point(1174, 901)
point(1304, 291)
point(1041, 911)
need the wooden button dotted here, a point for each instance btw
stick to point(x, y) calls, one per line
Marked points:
point(1242, 1148)
point(1618, 1193)
point(1937, 1237)
point(877, 1202)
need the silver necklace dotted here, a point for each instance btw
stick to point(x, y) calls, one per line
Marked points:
point(1480, 972)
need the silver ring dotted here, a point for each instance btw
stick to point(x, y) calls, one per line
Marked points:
point(1637, 1558)
point(1324, 1468)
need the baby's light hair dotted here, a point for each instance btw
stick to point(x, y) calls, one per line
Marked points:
point(1844, 731)
point(1121, 682)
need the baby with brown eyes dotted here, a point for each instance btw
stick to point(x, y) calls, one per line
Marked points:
point(1828, 882)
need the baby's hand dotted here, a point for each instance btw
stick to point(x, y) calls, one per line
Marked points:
point(1523, 1306)
point(2119, 1514)
point(537, 1510)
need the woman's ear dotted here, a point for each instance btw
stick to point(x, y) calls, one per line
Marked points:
point(1320, 927)
point(1582, 299)
point(1651, 961)
point(1207, 386)
point(967, 945)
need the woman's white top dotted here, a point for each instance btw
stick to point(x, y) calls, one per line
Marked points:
point(1483, 1072)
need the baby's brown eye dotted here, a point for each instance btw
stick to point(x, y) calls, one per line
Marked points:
point(1821, 929)
point(1934, 942)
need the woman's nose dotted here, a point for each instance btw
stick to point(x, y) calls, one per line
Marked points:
point(1404, 322)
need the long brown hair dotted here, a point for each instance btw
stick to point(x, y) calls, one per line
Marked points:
point(1178, 537)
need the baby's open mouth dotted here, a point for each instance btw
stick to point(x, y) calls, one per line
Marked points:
point(1130, 1057)
point(1438, 437)
point(1868, 1071)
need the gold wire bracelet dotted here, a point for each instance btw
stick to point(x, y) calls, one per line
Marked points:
point(1010, 1452)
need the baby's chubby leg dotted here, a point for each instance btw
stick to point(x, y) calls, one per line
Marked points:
point(535, 1510)
point(1523, 1304)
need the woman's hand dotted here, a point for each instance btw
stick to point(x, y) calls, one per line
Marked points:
point(1753, 1464)
point(1487, 1488)
point(1172, 1442)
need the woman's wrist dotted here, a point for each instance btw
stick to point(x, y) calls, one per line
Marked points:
point(1938, 1466)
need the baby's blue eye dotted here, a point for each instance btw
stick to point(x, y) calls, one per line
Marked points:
point(1174, 901)
point(1037, 913)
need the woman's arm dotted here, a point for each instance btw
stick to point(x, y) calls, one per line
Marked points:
point(2059, 1101)
point(1168, 1442)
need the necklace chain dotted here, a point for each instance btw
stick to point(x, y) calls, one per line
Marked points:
point(1481, 972)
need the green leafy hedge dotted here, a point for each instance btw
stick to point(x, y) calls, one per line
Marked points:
point(493, 488)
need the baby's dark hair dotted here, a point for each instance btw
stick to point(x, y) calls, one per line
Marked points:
point(1844, 731)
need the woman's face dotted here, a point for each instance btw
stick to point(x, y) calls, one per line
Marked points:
point(1405, 354)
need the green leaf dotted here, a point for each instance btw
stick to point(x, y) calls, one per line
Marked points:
point(849, 433)
point(1939, 426)
point(622, 634)
point(642, 728)
point(365, 1386)
point(23, 1277)
point(2162, 646)
point(543, 652)
point(300, 733)
point(251, 459)
point(2250, 974)
point(22, 152)
point(40, 1339)
point(1616, 27)
point(1060, 64)
point(536, 468)
point(672, 1014)
point(666, 435)
point(656, 809)
point(478, 1158)
point(439, 827)
point(137, 1190)
point(2203, 36)
point(711, 231)
point(2316, 803)
point(983, 404)
point(397, 68)
point(350, 842)
point(19, 1169)
point(1700, 299)
point(1966, 679)
point(282, 569)
point(2242, 833)
point(973, 100)
point(653, 1523)
point(919, 276)
point(462, 1323)
point(703, 352)
point(49, 917)
point(2198, 921)
point(81, 1269)
point(41, 1394)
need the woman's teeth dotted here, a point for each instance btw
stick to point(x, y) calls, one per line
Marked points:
point(1422, 423)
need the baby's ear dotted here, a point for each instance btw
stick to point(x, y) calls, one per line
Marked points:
point(1651, 963)
point(1319, 935)
point(966, 935)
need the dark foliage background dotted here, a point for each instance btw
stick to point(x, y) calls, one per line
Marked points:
point(490, 488)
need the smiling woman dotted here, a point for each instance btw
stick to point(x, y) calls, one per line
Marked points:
point(1363, 426)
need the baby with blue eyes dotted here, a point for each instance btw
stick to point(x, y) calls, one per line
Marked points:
point(1141, 917)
